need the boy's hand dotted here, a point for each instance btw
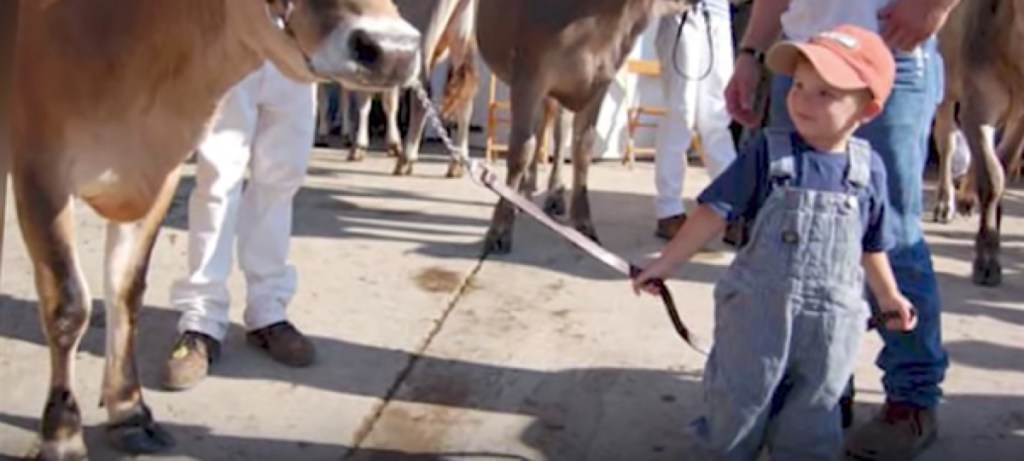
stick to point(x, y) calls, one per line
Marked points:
point(654, 271)
point(902, 318)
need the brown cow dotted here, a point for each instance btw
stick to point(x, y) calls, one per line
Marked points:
point(982, 45)
point(569, 50)
point(111, 96)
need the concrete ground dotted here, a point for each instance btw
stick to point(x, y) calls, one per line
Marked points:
point(427, 352)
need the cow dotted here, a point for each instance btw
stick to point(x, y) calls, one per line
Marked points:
point(568, 50)
point(982, 45)
point(110, 98)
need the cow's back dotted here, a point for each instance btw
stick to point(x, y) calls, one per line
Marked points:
point(576, 46)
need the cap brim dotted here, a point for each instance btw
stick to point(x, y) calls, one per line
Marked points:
point(783, 57)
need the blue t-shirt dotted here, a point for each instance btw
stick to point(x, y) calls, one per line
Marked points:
point(743, 187)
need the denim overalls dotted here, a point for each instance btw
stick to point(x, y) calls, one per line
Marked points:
point(914, 362)
point(789, 314)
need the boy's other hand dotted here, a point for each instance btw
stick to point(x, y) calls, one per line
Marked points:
point(903, 318)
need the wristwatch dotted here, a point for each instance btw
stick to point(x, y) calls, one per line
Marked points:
point(753, 52)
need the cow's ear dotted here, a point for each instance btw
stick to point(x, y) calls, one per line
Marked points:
point(667, 7)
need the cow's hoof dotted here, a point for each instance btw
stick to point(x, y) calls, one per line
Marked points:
point(357, 154)
point(987, 274)
point(455, 170)
point(554, 204)
point(66, 450)
point(140, 434)
point(965, 205)
point(943, 213)
point(498, 242)
point(402, 168)
point(587, 229)
point(394, 150)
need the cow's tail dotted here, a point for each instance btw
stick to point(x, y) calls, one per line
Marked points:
point(462, 84)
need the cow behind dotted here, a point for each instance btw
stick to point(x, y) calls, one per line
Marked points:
point(568, 50)
point(982, 45)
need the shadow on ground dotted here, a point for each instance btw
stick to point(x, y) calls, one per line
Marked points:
point(574, 412)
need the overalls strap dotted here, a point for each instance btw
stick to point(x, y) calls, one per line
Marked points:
point(780, 154)
point(859, 172)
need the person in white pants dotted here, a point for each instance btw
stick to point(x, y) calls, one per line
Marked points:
point(266, 125)
point(695, 68)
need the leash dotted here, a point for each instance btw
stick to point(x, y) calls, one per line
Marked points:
point(483, 176)
point(685, 16)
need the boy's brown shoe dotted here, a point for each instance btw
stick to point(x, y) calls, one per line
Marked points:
point(899, 432)
point(190, 360)
point(284, 343)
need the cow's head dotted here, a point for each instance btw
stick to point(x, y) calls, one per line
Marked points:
point(363, 44)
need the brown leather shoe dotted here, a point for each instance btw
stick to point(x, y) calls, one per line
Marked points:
point(899, 432)
point(668, 227)
point(284, 343)
point(190, 360)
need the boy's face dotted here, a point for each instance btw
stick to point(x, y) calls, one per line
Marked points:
point(822, 111)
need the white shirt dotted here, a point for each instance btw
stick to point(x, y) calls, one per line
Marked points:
point(804, 18)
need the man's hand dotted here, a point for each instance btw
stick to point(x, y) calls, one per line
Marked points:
point(739, 94)
point(908, 23)
point(898, 304)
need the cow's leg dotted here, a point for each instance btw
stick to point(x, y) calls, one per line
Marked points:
point(461, 87)
point(1012, 148)
point(417, 121)
point(46, 219)
point(554, 204)
point(526, 97)
point(323, 128)
point(455, 168)
point(582, 147)
point(130, 426)
point(979, 124)
point(540, 148)
point(364, 101)
point(944, 132)
point(390, 102)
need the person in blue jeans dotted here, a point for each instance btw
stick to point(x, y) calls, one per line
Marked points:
point(790, 310)
point(914, 364)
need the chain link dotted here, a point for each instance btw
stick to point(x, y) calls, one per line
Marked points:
point(435, 121)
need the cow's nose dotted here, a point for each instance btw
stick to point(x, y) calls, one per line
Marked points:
point(388, 51)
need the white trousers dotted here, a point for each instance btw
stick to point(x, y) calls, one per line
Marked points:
point(265, 125)
point(693, 104)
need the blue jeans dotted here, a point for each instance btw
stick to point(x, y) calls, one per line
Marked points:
point(914, 363)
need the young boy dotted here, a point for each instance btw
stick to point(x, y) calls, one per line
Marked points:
point(790, 310)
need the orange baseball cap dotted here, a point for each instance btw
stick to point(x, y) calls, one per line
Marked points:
point(846, 56)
